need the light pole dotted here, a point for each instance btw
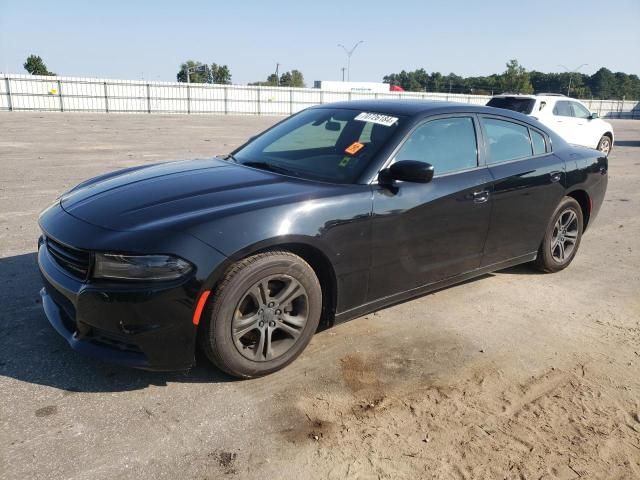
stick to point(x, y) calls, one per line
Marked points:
point(343, 69)
point(349, 53)
point(571, 72)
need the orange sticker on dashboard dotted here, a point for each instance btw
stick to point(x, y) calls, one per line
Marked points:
point(354, 148)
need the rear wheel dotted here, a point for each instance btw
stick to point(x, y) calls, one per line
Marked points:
point(562, 238)
point(604, 145)
point(263, 314)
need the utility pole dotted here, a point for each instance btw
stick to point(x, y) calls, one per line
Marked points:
point(277, 76)
point(349, 52)
point(571, 72)
point(343, 69)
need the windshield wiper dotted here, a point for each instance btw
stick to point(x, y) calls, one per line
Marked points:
point(230, 156)
point(270, 167)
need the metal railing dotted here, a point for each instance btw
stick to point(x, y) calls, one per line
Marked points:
point(71, 94)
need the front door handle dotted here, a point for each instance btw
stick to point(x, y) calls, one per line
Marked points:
point(480, 196)
point(555, 176)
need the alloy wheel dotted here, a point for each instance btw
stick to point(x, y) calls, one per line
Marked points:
point(605, 145)
point(565, 236)
point(270, 318)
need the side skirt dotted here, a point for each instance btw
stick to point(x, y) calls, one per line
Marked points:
point(429, 288)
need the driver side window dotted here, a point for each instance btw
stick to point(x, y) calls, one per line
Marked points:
point(579, 111)
point(449, 144)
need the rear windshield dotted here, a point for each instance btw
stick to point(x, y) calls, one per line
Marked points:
point(327, 144)
point(522, 105)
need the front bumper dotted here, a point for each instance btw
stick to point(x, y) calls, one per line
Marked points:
point(143, 325)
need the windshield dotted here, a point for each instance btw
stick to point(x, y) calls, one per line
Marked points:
point(326, 144)
point(522, 105)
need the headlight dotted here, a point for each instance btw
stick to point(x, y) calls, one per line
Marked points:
point(140, 267)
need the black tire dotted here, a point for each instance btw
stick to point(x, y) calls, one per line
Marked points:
point(605, 145)
point(563, 232)
point(245, 301)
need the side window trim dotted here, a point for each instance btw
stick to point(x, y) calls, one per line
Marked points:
point(547, 142)
point(479, 157)
point(485, 136)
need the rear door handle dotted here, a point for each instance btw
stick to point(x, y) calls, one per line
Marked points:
point(480, 196)
point(555, 176)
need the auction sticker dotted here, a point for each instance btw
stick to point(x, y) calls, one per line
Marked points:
point(354, 148)
point(378, 118)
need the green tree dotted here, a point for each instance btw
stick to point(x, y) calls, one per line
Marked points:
point(603, 83)
point(515, 79)
point(220, 74)
point(294, 78)
point(194, 77)
point(35, 66)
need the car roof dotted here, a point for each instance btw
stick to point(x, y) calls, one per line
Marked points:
point(413, 108)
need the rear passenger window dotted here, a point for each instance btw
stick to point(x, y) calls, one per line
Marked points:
point(563, 109)
point(507, 140)
point(449, 144)
point(538, 142)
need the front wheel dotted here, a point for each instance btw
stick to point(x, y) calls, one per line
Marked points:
point(262, 315)
point(604, 145)
point(562, 238)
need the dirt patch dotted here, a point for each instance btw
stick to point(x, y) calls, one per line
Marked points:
point(557, 424)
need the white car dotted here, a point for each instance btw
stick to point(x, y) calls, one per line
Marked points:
point(568, 117)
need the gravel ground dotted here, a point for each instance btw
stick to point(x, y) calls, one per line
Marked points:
point(513, 375)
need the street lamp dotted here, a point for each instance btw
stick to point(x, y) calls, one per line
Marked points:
point(571, 72)
point(198, 68)
point(349, 53)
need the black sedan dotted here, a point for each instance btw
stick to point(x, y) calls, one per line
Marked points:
point(334, 212)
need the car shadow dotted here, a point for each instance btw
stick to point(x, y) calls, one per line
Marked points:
point(627, 143)
point(31, 351)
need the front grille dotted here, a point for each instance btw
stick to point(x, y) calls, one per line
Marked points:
point(76, 262)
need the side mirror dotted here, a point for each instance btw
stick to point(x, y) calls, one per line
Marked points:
point(408, 171)
point(593, 116)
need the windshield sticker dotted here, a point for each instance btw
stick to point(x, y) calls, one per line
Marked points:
point(344, 162)
point(354, 148)
point(378, 118)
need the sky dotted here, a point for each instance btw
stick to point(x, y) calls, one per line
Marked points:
point(149, 39)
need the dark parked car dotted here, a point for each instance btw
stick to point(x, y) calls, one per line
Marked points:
point(334, 212)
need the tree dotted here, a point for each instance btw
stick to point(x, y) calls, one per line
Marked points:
point(294, 78)
point(515, 79)
point(35, 66)
point(220, 74)
point(194, 77)
point(602, 84)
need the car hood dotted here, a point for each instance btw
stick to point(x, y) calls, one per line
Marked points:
point(176, 194)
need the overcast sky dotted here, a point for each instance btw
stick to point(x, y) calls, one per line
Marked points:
point(135, 39)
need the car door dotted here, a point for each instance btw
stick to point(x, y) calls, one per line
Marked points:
point(423, 233)
point(528, 184)
point(584, 132)
point(563, 122)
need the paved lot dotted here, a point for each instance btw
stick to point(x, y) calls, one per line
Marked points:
point(514, 375)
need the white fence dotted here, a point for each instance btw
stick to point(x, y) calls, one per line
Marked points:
point(73, 94)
